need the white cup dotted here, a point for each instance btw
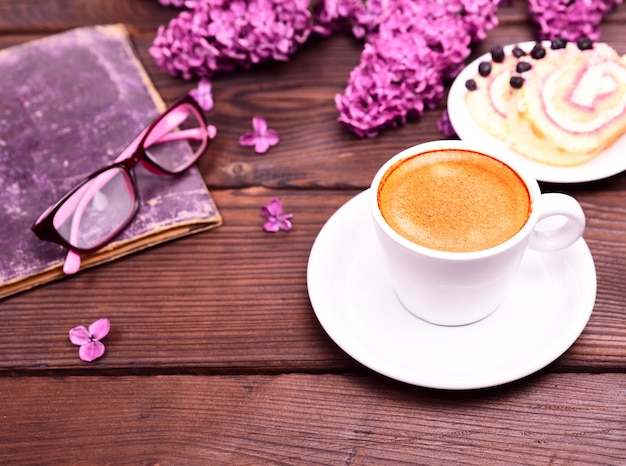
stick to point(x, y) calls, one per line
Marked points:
point(458, 288)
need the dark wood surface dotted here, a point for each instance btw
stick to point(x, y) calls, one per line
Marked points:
point(215, 355)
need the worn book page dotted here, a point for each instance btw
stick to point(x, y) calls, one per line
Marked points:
point(69, 104)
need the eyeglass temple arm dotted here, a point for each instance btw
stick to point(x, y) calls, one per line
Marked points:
point(162, 132)
point(161, 135)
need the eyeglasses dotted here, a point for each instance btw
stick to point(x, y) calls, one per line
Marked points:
point(98, 208)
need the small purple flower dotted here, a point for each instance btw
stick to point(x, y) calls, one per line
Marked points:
point(411, 48)
point(276, 220)
point(220, 36)
point(330, 16)
point(203, 94)
point(89, 339)
point(445, 125)
point(570, 19)
point(262, 138)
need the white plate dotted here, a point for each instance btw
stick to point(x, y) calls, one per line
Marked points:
point(608, 163)
point(549, 305)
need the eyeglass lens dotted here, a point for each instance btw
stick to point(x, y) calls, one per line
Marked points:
point(177, 140)
point(98, 210)
point(104, 205)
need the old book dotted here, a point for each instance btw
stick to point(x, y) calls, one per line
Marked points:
point(69, 103)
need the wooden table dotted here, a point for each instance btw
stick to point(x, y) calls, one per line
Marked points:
point(216, 356)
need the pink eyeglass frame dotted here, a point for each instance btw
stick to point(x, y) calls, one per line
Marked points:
point(160, 130)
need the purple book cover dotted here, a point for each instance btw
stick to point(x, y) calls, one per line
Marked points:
point(69, 104)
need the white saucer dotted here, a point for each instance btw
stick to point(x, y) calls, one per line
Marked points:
point(608, 163)
point(549, 306)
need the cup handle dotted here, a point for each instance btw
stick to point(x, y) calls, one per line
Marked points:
point(561, 222)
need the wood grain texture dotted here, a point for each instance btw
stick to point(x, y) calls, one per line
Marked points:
point(235, 299)
point(300, 419)
point(57, 15)
point(229, 299)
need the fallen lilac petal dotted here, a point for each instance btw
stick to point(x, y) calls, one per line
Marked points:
point(276, 220)
point(261, 146)
point(247, 139)
point(90, 351)
point(79, 335)
point(261, 138)
point(259, 124)
point(271, 136)
point(99, 329)
point(276, 224)
point(203, 94)
point(273, 208)
point(88, 339)
point(271, 226)
point(284, 222)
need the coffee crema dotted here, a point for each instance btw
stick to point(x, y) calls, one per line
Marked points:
point(454, 200)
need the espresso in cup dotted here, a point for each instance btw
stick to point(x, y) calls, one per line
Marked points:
point(453, 222)
point(454, 200)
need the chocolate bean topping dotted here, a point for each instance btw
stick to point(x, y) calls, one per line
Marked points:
point(584, 43)
point(518, 52)
point(558, 43)
point(484, 68)
point(516, 82)
point(497, 53)
point(538, 52)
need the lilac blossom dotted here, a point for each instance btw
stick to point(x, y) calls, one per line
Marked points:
point(445, 126)
point(330, 16)
point(203, 94)
point(89, 339)
point(414, 47)
point(275, 219)
point(221, 36)
point(570, 19)
point(262, 138)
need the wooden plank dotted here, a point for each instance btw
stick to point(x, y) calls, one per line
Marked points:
point(235, 299)
point(57, 15)
point(310, 419)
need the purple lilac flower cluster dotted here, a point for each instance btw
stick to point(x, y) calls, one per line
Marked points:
point(330, 16)
point(220, 35)
point(570, 19)
point(411, 48)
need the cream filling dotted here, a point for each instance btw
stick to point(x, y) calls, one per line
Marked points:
point(499, 92)
point(596, 81)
